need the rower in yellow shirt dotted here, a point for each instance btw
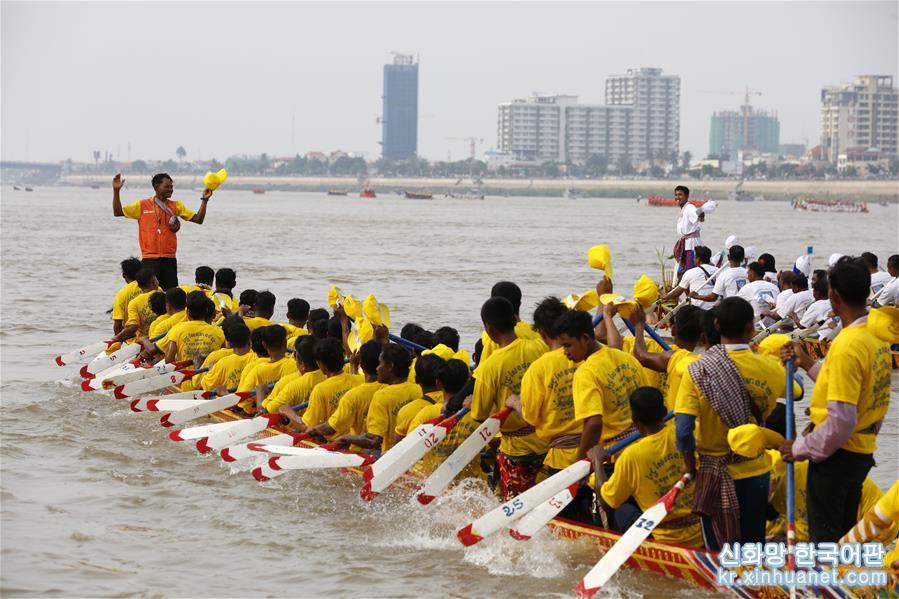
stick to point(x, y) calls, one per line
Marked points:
point(521, 452)
point(228, 349)
point(263, 310)
point(426, 368)
point(686, 330)
point(646, 470)
point(131, 290)
point(289, 391)
point(546, 400)
point(326, 395)
point(203, 277)
point(393, 373)
point(604, 381)
point(175, 304)
point(226, 373)
point(352, 409)
point(523, 330)
point(607, 333)
point(195, 338)
point(223, 296)
point(452, 378)
point(140, 313)
point(279, 364)
point(297, 314)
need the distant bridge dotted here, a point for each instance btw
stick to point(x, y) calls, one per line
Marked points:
point(29, 172)
point(47, 167)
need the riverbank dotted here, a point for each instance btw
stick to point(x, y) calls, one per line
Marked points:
point(846, 190)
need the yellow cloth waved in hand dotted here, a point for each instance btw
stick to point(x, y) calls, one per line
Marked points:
point(586, 302)
point(213, 180)
point(377, 313)
point(600, 258)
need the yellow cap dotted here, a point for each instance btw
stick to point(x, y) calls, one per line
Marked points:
point(646, 292)
point(750, 440)
point(352, 307)
point(625, 306)
point(587, 301)
point(362, 334)
point(213, 180)
point(884, 324)
point(770, 345)
point(335, 297)
point(378, 314)
point(439, 350)
point(600, 258)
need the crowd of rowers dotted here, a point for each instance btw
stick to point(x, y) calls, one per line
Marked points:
point(574, 389)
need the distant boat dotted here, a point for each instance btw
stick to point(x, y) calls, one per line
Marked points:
point(17, 188)
point(368, 192)
point(738, 195)
point(829, 206)
point(419, 196)
point(28, 189)
point(336, 192)
point(259, 190)
point(472, 194)
point(95, 186)
point(571, 194)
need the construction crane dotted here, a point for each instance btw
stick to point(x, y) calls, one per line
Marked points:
point(472, 143)
point(745, 109)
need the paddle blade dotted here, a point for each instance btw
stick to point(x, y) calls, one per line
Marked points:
point(204, 409)
point(629, 542)
point(83, 354)
point(123, 354)
point(233, 434)
point(537, 518)
point(242, 451)
point(154, 383)
point(193, 433)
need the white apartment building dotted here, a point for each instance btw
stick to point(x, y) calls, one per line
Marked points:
point(860, 116)
point(641, 120)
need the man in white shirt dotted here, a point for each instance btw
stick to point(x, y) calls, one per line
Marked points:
point(758, 292)
point(879, 279)
point(695, 279)
point(720, 258)
point(688, 230)
point(785, 284)
point(820, 309)
point(795, 307)
point(730, 281)
point(889, 296)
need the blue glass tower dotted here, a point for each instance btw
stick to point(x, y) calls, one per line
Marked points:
point(399, 120)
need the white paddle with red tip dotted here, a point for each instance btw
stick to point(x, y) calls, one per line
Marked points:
point(195, 432)
point(375, 482)
point(204, 409)
point(96, 383)
point(85, 354)
point(315, 459)
point(155, 383)
point(143, 373)
point(197, 394)
point(226, 437)
point(165, 405)
point(242, 451)
point(441, 478)
point(405, 443)
point(518, 506)
point(537, 518)
point(629, 542)
point(123, 354)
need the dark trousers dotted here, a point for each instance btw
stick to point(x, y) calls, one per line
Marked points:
point(833, 492)
point(166, 270)
point(752, 495)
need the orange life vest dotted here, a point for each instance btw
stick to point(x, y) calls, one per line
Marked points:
point(155, 237)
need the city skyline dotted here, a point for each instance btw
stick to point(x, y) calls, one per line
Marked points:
point(308, 76)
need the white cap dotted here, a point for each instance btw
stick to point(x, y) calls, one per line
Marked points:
point(804, 265)
point(834, 258)
point(708, 207)
point(751, 252)
point(731, 241)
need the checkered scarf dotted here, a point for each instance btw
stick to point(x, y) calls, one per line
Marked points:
point(717, 377)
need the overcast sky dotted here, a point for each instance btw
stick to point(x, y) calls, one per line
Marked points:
point(227, 78)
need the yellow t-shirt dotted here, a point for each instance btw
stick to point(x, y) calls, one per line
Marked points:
point(326, 396)
point(603, 385)
point(352, 410)
point(463, 429)
point(856, 371)
point(653, 378)
point(405, 416)
point(195, 338)
point(227, 371)
point(263, 374)
point(764, 378)
point(255, 322)
point(871, 495)
point(222, 299)
point(548, 404)
point(209, 362)
point(522, 329)
point(646, 470)
point(411, 377)
point(296, 391)
point(279, 386)
point(122, 298)
point(677, 366)
point(140, 314)
point(386, 403)
point(133, 210)
point(293, 333)
point(498, 377)
point(164, 324)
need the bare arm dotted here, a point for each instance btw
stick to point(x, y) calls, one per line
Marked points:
point(591, 435)
point(117, 183)
point(201, 213)
point(365, 440)
point(613, 336)
point(288, 412)
point(126, 333)
point(652, 360)
point(170, 351)
point(673, 294)
point(705, 298)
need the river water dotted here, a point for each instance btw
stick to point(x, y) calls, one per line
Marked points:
point(96, 501)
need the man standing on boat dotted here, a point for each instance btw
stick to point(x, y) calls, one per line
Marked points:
point(158, 223)
point(688, 229)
